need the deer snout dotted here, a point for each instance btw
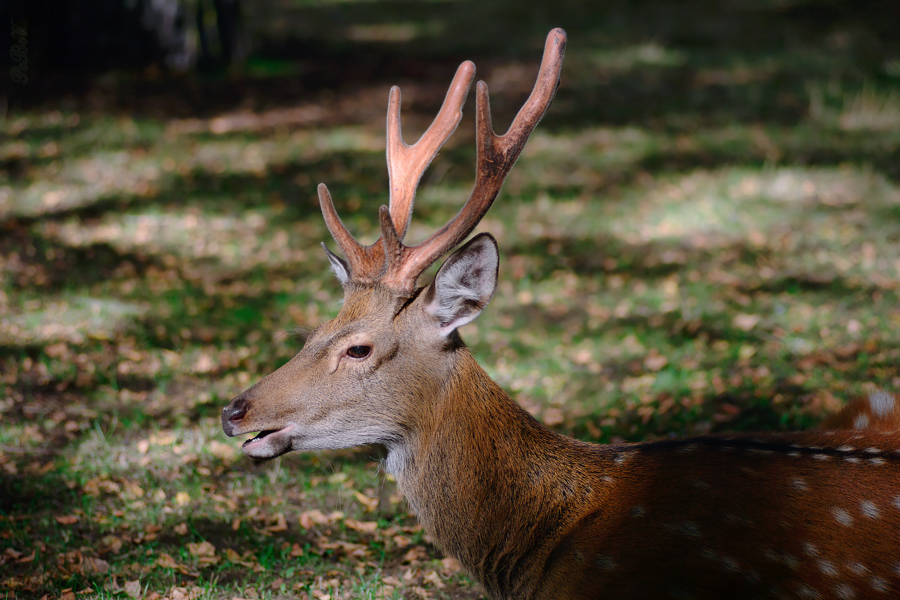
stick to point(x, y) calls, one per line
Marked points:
point(233, 414)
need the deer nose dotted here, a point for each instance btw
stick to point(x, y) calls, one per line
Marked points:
point(233, 413)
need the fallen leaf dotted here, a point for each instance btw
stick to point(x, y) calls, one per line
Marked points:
point(414, 554)
point(94, 565)
point(746, 322)
point(279, 525)
point(166, 561)
point(201, 549)
point(450, 566)
point(67, 519)
point(433, 578)
point(370, 503)
point(363, 526)
point(112, 543)
point(133, 588)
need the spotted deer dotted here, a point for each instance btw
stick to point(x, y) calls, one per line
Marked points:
point(878, 411)
point(530, 513)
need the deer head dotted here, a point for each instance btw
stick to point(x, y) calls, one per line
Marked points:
point(363, 377)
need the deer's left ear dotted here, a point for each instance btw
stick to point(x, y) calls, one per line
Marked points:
point(464, 284)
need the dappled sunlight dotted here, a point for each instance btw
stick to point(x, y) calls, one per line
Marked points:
point(702, 235)
point(73, 320)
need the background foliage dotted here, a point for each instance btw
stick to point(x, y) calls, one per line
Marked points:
point(703, 235)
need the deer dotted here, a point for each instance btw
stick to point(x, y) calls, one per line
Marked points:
point(527, 511)
point(878, 410)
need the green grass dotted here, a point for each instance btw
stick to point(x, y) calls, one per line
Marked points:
point(703, 235)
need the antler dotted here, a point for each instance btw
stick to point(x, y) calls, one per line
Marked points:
point(388, 260)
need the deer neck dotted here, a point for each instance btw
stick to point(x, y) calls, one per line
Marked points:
point(478, 458)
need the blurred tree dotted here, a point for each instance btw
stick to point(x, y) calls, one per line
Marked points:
point(97, 35)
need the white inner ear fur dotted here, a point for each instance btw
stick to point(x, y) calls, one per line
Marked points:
point(464, 284)
point(338, 266)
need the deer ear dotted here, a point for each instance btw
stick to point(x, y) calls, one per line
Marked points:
point(338, 265)
point(464, 284)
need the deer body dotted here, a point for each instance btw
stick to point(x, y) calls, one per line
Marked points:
point(530, 513)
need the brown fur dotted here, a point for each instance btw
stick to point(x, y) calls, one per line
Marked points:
point(532, 514)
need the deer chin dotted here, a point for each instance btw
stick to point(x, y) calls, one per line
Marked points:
point(270, 443)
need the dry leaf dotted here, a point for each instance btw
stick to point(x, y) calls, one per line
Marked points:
point(279, 525)
point(414, 554)
point(370, 503)
point(655, 362)
point(112, 543)
point(450, 566)
point(133, 588)
point(201, 549)
point(746, 322)
point(94, 565)
point(309, 518)
point(363, 526)
point(166, 561)
point(433, 578)
point(67, 519)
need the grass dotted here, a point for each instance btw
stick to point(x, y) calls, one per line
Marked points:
point(702, 236)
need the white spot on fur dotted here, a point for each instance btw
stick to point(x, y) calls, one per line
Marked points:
point(810, 549)
point(827, 567)
point(688, 528)
point(844, 591)
point(624, 457)
point(881, 402)
point(804, 591)
point(879, 585)
point(857, 568)
point(868, 508)
point(821, 456)
point(896, 502)
point(873, 450)
point(861, 422)
point(731, 565)
point(851, 459)
point(842, 516)
point(846, 448)
point(798, 484)
point(876, 461)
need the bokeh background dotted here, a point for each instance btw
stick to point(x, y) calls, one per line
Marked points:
point(703, 235)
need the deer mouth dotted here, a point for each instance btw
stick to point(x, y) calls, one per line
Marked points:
point(269, 443)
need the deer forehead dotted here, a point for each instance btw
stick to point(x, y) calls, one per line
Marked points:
point(369, 312)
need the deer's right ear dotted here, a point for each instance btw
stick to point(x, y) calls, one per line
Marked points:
point(338, 265)
point(464, 284)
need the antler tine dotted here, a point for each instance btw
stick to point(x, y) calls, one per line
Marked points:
point(496, 156)
point(366, 262)
point(406, 164)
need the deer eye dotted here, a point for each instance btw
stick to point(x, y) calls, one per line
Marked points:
point(358, 351)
